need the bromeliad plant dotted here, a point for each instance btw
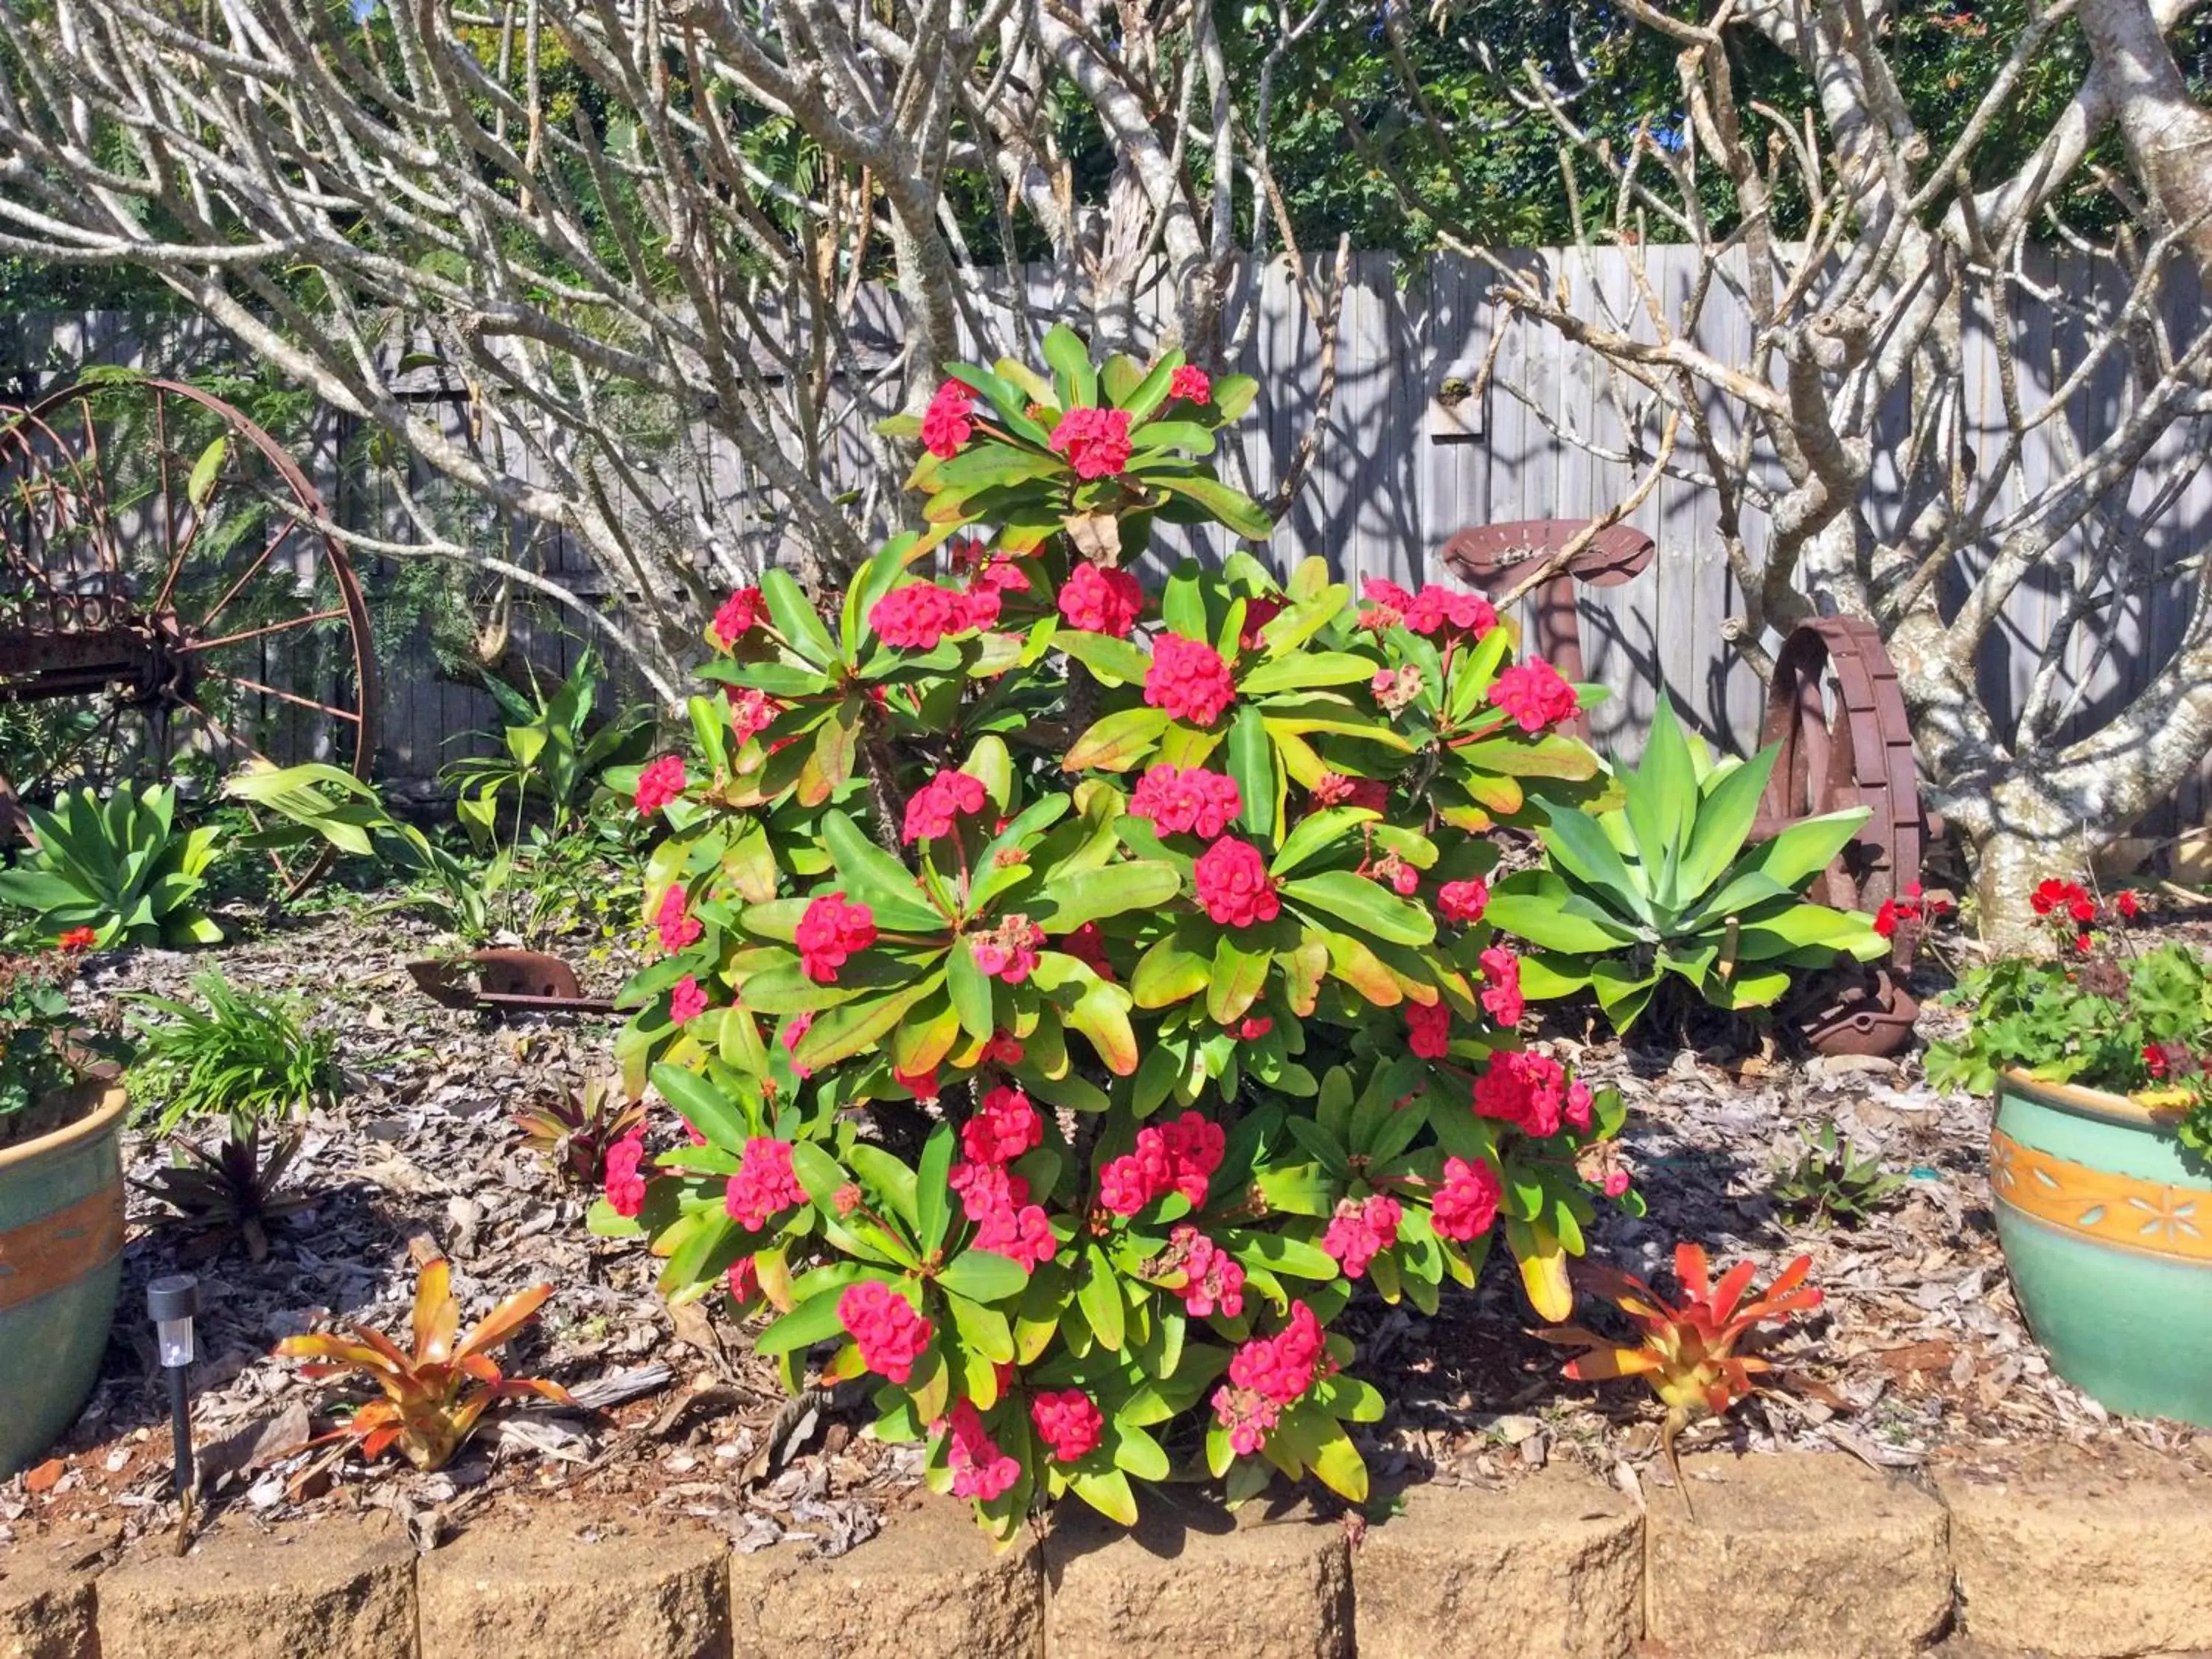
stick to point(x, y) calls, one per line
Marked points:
point(1069, 993)
point(1700, 1355)
point(435, 1394)
point(1664, 885)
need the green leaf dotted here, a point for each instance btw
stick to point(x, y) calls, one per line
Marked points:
point(1169, 973)
point(1724, 818)
point(889, 1179)
point(812, 1320)
point(1252, 764)
point(983, 1276)
point(1532, 904)
point(1804, 849)
point(1069, 901)
point(701, 1105)
point(1117, 661)
point(1231, 507)
point(982, 1330)
point(1359, 902)
point(1317, 832)
point(201, 485)
point(1662, 802)
point(873, 878)
point(1072, 371)
point(855, 1026)
point(1237, 979)
point(1109, 1494)
point(1117, 742)
point(795, 619)
point(1099, 1296)
point(1579, 846)
point(1301, 670)
point(971, 991)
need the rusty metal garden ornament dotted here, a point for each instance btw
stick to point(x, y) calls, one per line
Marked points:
point(163, 590)
point(1835, 707)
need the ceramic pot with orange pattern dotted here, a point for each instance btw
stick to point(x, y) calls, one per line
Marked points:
point(61, 1265)
point(2106, 1223)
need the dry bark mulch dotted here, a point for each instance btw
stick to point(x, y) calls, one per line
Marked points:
point(1919, 1355)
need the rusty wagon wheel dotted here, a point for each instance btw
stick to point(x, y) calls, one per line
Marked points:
point(167, 610)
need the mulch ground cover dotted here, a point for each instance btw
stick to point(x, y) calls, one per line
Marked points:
point(1919, 1356)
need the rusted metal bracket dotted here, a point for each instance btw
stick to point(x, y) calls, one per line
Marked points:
point(507, 981)
point(1493, 556)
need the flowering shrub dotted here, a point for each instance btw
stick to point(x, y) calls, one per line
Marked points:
point(2104, 1014)
point(1096, 985)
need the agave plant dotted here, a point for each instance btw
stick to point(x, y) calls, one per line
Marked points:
point(573, 1129)
point(232, 1192)
point(435, 1396)
point(1664, 885)
point(120, 867)
point(1698, 1355)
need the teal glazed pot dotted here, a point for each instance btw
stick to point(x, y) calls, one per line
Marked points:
point(2106, 1223)
point(61, 1264)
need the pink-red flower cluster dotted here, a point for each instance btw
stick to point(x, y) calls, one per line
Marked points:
point(1179, 1157)
point(931, 810)
point(1068, 1423)
point(659, 783)
point(1188, 679)
point(1394, 688)
point(1087, 945)
point(764, 1186)
point(1466, 1204)
point(1192, 384)
point(1463, 902)
point(1101, 601)
point(1266, 1374)
point(1004, 1127)
point(675, 923)
point(1909, 910)
point(890, 1335)
point(1501, 991)
point(1335, 789)
point(2064, 899)
point(1008, 952)
point(1428, 1030)
point(1435, 609)
point(1526, 1090)
point(751, 712)
point(980, 1469)
point(1233, 884)
point(1358, 1232)
point(1213, 1280)
point(625, 1179)
point(831, 931)
point(1187, 800)
point(916, 617)
point(1095, 441)
point(1534, 694)
point(686, 1002)
point(948, 423)
point(738, 616)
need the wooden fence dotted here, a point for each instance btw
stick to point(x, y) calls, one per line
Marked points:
point(1395, 478)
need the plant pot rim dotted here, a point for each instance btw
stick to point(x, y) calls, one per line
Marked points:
point(2089, 1102)
point(114, 1099)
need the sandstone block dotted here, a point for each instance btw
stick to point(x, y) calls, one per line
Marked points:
point(45, 1611)
point(1262, 1588)
point(2085, 1559)
point(1551, 1569)
point(653, 1593)
point(929, 1583)
point(336, 1589)
point(1794, 1556)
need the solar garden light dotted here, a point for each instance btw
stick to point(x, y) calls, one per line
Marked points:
point(171, 1303)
